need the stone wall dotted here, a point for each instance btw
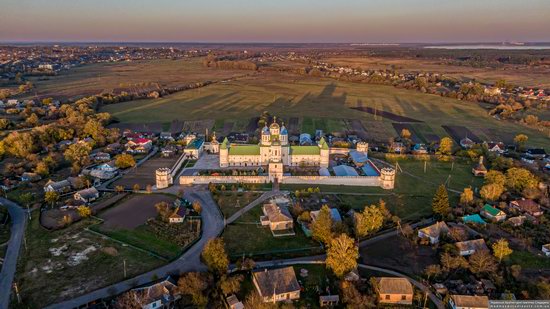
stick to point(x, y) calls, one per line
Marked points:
point(367, 181)
point(187, 180)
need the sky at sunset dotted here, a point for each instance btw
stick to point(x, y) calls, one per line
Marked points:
point(275, 20)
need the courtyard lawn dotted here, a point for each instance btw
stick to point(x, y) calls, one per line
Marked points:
point(231, 202)
point(247, 237)
point(70, 262)
point(143, 237)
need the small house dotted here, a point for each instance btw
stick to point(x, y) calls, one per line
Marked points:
point(433, 232)
point(469, 247)
point(276, 285)
point(178, 216)
point(516, 221)
point(479, 169)
point(101, 174)
point(466, 143)
point(528, 207)
point(106, 167)
point(167, 136)
point(233, 302)
point(419, 149)
point(493, 213)
point(497, 147)
point(394, 291)
point(194, 148)
point(100, 156)
point(62, 186)
point(329, 300)
point(87, 195)
point(278, 218)
point(30, 177)
point(162, 294)
point(475, 219)
point(468, 302)
point(537, 153)
point(139, 145)
point(546, 249)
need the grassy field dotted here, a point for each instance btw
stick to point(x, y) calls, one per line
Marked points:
point(528, 260)
point(517, 74)
point(231, 202)
point(70, 262)
point(104, 77)
point(246, 236)
point(321, 103)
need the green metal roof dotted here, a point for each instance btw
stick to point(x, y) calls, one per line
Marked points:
point(224, 143)
point(304, 150)
point(491, 210)
point(244, 150)
point(323, 143)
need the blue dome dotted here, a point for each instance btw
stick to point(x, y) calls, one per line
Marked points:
point(265, 130)
point(284, 131)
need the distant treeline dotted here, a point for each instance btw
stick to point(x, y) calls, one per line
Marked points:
point(230, 62)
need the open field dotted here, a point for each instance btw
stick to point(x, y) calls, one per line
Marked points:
point(315, 99)
point(133, 211)
point(106, 77)
point(144, 174)
point(231, 202)
point(517, 74)
point(70, 262)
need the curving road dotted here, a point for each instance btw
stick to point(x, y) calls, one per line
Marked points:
point(18, 221)
point(212, 226)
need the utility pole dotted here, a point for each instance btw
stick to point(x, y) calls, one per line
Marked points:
point(425, 162)
point(17, 292)
point(124, 262)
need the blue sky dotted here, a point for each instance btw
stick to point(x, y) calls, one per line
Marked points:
point(275, 20)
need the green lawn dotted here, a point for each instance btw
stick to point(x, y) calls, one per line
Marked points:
point(143, 237)
point(528, 260)
point(246, 236)
point(231, 202)
point(52, 271)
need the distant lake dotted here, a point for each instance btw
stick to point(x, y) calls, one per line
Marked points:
point(487, 46)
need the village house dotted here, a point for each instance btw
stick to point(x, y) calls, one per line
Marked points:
point(528, 207)
point(394, 291)
point(493, 213)
point(475, 219)
point(30, 177)
point(537, 153)
point(278, 218)
point(168, 151)
point(469, 247)
point(86, 195)
point(139, 145)
point(106, 167)
point(497, 147)
point(178, 216)
point(419, 149)
point(329, 300)
point(101, 174)
point(466, 143)
point(276, 285)
point(167, 136)
point(468, 302)
point(480, 169)
point(100, 156)
point(194, 148)
point(233, 302)
point(62, 186)
point(162, 294)
point(433, 232)
point(516, 221)
point(546, 249)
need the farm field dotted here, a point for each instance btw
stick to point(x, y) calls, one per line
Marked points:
point(231, 202)
point(106, 77)
point(144, 174)
point(319, 102)
point(133, 211)
point(71, 262)
point(521, 75)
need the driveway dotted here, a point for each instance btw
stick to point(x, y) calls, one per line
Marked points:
point(18, 222)
point(212, 226)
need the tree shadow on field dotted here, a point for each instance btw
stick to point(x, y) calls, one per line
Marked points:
point(326, 100)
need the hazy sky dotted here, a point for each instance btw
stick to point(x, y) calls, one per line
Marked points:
point(275, 20)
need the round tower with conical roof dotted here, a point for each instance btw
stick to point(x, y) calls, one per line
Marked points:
point(163, 178)
point(387, 178)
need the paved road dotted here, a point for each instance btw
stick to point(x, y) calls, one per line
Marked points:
point(212, 225)
point(263, 197)
point(18, 222)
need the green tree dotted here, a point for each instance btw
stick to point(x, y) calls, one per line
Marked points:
point(451, 262)
point(501, 249)
point(124, 161)
point(440, 202)
point(215, 256)
point(445, 146)
point(342, 255)
point(42, 169)
point(51, 197)
point(321, 228)
point(4, 123)
point(491, 192)
point(519, 179)
point(369, 221)
point(432, 271)
point(164, 211)
point(231, 284)
point(32, 120)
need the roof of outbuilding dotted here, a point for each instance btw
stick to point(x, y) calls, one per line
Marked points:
point(276, 281)
point(468, 301)
point(390, 285)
